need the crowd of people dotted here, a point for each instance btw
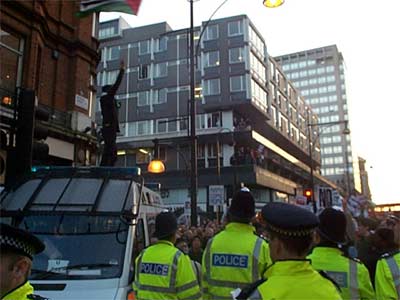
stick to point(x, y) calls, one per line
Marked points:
point(282, 252)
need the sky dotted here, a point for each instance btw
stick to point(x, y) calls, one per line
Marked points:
point(367, 32)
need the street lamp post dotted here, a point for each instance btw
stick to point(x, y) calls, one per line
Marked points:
point(193, 138)
point(346, 131)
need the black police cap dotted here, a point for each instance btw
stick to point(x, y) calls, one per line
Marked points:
point(332, 225)
point(288, 219)
point(243, 205)
point(166, 225)
point(19, 241)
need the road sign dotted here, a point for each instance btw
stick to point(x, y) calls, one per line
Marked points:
point(216, 194)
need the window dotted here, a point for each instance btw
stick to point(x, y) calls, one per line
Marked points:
point(143, 98)
point(161, 70)
point(302, 64)
point(211, 32)
point(303, 73)
point(162, 125)
point(143, 127)
point(200, 122)
point(110, 77)
point(211, 59)
point(235, 55)
point(238, 83)
point(114, 53)
point(321, 70)
point(235, 28)
point(144, 47)
point(321, 80)
point(214, 120)
point(11, 60)
point(257, 67)
point(337, 149)
point(160, 96)
point(322, 89)
point(106, 32)
point(338, 159)
point(161, 44)
point(258, 93)
point(331, 88)
point(144, 71)
point(295, 75)
point(311, 62)
point(330, 68)
point(313, 81)
point(211, 87)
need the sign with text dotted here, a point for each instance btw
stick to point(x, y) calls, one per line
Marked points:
point(81, 102)
point(216, 194)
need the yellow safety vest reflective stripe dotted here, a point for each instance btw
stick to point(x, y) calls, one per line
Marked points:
point(394, 269)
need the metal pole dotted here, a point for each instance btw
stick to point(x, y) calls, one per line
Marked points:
point(310, 149)
point(193, 138)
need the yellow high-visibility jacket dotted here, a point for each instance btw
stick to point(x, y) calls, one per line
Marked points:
point(164, 272)
point(295, 279)
point(351, 275)
point(387, 277)
point(23, 292)
point(234, 258)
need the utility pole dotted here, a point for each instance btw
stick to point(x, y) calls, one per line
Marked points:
point(193, 138)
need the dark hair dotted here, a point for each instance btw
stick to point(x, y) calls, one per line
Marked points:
point(180, 240)
point(232, 218)
point(298, 245)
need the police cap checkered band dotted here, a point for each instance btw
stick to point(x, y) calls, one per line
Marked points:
point(19, 240)
point(13, 243)
point(288, 219)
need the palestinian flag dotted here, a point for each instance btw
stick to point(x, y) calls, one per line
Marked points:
point(89, 7)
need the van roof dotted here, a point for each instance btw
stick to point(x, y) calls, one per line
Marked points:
point(76, 190)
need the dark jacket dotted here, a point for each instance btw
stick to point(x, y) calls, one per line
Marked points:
point(108, 106)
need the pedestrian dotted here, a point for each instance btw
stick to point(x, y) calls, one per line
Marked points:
point(387, 276)
point(163, 271)
point(182, 245)
point(110, 123)
point(290, 232)
point(196, 252)
point(17, 248)
point(236, 256)
point(350, 274)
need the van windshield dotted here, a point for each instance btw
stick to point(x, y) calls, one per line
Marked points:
point(78, 246)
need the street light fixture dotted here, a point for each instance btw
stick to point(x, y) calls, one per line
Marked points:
point(273, 3)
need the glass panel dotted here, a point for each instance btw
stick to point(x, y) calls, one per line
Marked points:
point(113, 196)
point(81, 191)
point(51, 192)
point(19, 198)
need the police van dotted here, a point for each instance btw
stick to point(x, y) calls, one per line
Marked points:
point(94, 222)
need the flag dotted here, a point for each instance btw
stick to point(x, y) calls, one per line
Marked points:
point(89, 7)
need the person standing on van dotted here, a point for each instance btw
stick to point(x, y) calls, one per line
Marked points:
point(109, 113)
point(17, 248)
point(236, 256)
point(163, 271)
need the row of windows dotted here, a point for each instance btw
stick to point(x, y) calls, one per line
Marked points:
point(320, 90)
point(257, 66)
point(332, 160)
point(297, 65)
point(256, 42)
point(332, 150)
point(326, 119)
point(332, 171)
point(311, 72)
point(313, 81)
point(326, 109)
point(147, 127)
point(258, 93)
point(106, 32)
point(331, 139)
point(323, 99)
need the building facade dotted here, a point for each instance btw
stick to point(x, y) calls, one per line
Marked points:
point(319, 75)
point(47, 49)
point(251, 121)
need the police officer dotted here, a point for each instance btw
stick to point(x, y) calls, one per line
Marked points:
point(350, 274)
point(163, 271)
point(17, 248)
point(236, 256)
point(290, 232)
point(387, 276)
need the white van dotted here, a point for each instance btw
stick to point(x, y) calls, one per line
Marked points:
point(93, 221)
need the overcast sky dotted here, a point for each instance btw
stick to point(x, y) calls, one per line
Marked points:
point(367, 32)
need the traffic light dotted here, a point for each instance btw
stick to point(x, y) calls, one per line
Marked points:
point(31, 133)
point(308, 193)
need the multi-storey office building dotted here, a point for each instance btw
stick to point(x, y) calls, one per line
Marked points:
point(251, 121)
point(319, 75)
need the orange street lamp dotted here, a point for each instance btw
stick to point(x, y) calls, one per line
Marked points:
point(156, 166)
point(273, 3)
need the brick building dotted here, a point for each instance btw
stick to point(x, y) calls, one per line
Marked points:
point(46, 48)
